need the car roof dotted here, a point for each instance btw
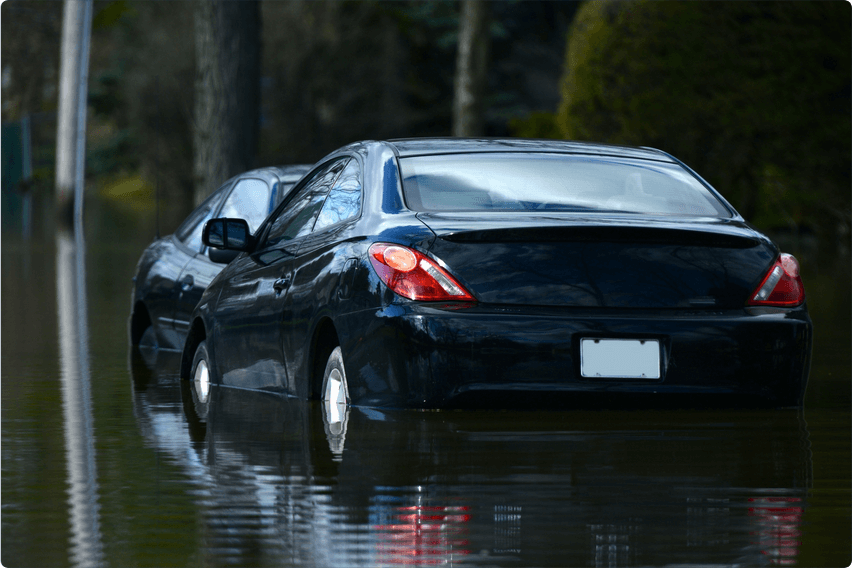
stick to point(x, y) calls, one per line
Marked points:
point(408, 147)
point(293, 172)
point(288, 173)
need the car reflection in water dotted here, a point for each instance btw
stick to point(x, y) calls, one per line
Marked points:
point(419, 534)
point(495, 488)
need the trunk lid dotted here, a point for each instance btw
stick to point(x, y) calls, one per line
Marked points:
point(525, 258)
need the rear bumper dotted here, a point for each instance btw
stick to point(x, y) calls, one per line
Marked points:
point(425, 356)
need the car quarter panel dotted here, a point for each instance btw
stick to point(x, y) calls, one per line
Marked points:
point(382, 183)
point(332, 277)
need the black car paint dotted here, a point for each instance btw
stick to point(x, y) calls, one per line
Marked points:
point(171, 276)
point(600, 263)
point(270, 325)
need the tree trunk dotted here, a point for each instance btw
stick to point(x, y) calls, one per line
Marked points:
point(227, 91)
point(471, 69)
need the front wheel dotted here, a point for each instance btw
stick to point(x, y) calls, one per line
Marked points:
point(335, 392)
point(201, 373)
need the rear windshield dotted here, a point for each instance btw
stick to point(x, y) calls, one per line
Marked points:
point(553, 182)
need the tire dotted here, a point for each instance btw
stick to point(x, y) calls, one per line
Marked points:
point(148, 338)
point(195, 411)
point(201, 374)
point(335, 391)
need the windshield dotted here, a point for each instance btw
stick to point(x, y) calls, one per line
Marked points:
point(553, 182)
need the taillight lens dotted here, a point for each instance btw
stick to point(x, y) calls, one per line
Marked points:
point(413, 275)
point(782, 285)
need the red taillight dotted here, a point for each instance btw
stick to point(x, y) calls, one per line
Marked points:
point(413, 275)
point(782, 285)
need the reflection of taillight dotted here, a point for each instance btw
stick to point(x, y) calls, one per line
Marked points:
point(413, 275)
point(782, 285)
point(779, 527)
point(421, 535)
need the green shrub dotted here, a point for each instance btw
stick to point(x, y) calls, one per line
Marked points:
point(754, 95)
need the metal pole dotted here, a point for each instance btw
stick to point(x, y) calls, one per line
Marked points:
point(82, 98)
point(73, 90)
point(68, 90)
point(84, 509)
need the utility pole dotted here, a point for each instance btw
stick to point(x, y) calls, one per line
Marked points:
point(80, 453)
point(71, 122)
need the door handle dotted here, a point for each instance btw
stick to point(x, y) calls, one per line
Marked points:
point(280, 284)
point(186, 283)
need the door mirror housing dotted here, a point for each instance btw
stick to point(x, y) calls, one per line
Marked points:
point(220, 256)
point(228, 235)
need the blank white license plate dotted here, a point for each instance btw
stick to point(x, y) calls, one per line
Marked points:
point(620, 358)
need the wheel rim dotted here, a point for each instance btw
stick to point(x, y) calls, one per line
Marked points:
point(335, 397)
point(202, 380)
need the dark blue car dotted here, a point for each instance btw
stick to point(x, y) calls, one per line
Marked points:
point(436, 272)
point(174, 271)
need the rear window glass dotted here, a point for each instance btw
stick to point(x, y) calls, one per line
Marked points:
point(553, 182)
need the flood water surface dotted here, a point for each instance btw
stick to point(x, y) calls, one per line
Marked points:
point(109, 459)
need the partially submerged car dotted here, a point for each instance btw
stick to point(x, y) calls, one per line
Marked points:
point(174, 270)
point(433, 272)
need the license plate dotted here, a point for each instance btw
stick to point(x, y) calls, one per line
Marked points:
point(620, 358)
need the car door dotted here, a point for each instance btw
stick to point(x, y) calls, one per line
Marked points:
point(250, 199)
point(247, 322)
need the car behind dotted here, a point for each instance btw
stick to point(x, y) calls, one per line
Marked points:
point(174, 270)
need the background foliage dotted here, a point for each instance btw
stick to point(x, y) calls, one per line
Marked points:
point(332, 72)
point(754, 95)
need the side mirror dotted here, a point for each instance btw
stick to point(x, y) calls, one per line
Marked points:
point(220, 256)
point(227, 234)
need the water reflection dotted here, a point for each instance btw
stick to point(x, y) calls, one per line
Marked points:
point(86, 546)
point(276, 485)
point(780, 520)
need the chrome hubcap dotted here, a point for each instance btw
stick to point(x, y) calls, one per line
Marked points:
point(202, 381)
point(335, 411)
point(335, 397)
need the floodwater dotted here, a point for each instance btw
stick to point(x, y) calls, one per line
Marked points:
point(108, 459)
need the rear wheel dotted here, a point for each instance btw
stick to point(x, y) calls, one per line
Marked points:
point(335, 391)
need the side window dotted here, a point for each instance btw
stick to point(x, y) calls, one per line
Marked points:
point(249, 200)
point(344, 199)
point(189, 233)
point(298, 215)
point(281, 191)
